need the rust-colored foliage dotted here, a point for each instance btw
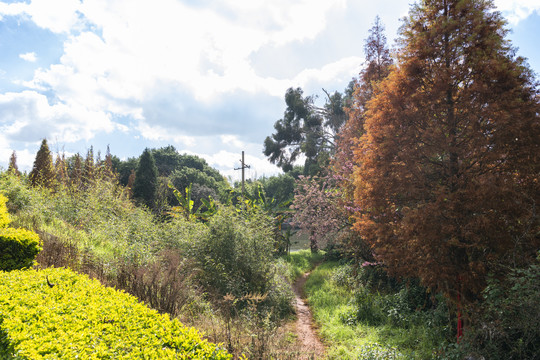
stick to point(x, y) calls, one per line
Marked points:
point(377, 67)
point(448, 168)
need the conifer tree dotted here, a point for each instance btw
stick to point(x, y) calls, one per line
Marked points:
point(42, 173)
point(76, 174)
point(61, 170)
point(146, 179)
point(12, 167)
point(448, 180)
point(376, 68)
point(89, 167)
point(106, 169)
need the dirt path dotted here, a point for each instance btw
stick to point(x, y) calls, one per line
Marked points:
point(311, 346)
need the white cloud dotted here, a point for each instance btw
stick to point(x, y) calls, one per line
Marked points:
point(232, 140)
point(29, 56)
point(226, 161)
point(517, 10)
point(58, 16)
point(28, 116)
point(159, 133)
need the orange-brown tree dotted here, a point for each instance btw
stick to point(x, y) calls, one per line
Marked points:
point(376, 68)
point(448, 170)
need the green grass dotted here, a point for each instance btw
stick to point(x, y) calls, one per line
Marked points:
point(334, 309)
point(301, 261)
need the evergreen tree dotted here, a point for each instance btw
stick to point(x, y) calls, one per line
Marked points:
point(61, 170)
point(42, 173)
point(76, 174)
point(89, 171)
point(447, 186)
point(106, 170)
point(146, 179)
point(12, 167)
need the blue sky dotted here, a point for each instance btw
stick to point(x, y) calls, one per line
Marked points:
point(207, 76)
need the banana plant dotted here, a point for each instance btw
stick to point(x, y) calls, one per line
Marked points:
point(186, 206)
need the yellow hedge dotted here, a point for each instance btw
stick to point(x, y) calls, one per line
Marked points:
point(4, 216)
point(80, 318)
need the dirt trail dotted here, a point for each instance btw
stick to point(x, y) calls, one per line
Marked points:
point(311, 346)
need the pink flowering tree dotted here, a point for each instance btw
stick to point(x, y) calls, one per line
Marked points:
point(318, 210)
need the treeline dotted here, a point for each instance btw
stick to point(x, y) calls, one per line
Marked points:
point(151, 177)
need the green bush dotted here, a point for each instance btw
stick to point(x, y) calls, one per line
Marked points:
point(236, 258)
point(18, 248)
point(506, 326)
point(80, 318)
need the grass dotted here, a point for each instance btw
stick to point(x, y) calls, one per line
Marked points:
point(301, 261)
point(335, 305)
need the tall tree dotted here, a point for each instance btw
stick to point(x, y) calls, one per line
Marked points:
point(305, 130)
point(89, 170)
point(61, 169)
point(76, 171)
point(376, 68)
point(12, 167)
point(146, 179)
point(448, 180)
point(42, 173)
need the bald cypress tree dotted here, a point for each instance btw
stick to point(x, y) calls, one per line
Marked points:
point(43, 173)
point(447, 186)
point(146, 179)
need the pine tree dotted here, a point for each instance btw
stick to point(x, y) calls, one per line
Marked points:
point(61, 170)
point(76, 174)
point(12, 167)
point(447, 185)
point(106, 169)
point(89, 169)
point(146, 177)
point(42, 173)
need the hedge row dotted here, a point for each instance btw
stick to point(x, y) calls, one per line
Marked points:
point(79, 318)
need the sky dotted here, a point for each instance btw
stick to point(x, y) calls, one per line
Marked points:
point(206, 76)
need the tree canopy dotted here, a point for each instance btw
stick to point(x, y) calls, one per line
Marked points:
point(146, 177)
point(305, 129)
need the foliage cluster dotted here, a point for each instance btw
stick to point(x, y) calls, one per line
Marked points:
point(78, 317)
point(236, 259)
point(18, 247)
point(507, 325)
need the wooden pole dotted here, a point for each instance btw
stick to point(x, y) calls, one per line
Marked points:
point(243, 167)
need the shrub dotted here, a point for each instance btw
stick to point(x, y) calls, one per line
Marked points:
point(4, 216)
point(79, 318)
point(236, 259)
point(506, 327)
point(18, 248)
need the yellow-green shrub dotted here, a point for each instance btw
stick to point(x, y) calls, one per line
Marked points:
point(80, 318)
point(4, 216)
point(18, 248)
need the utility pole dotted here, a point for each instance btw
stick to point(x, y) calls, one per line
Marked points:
point(243, 167)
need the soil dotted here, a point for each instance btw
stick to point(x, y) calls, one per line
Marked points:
point(311, 346)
